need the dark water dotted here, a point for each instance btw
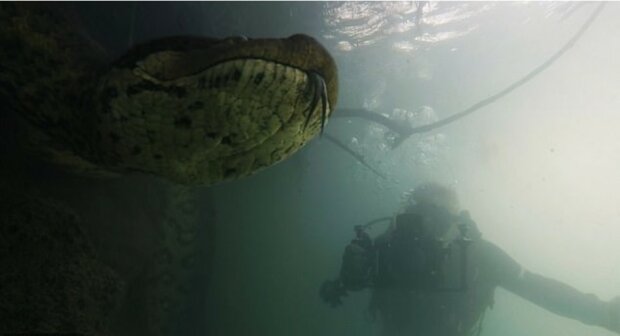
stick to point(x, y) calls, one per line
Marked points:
point(531, 168)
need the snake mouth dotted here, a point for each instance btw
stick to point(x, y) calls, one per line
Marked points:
point(311, 58)
point(319, 94)
point(315, 91)
point(180, 57)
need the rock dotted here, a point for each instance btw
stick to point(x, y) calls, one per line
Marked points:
point(51, 280)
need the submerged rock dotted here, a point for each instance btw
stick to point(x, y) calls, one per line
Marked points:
point(52, 280)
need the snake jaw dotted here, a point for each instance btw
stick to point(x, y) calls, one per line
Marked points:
point(319, 93)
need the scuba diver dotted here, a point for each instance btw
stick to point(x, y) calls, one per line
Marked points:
point(432, 273)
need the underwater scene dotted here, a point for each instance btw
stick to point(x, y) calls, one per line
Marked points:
point(422, 168)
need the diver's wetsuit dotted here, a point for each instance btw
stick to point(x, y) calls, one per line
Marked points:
point(455, 313)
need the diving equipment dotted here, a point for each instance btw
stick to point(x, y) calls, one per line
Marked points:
point(410, 256)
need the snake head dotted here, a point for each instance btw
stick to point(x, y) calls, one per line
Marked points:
point(200, 111)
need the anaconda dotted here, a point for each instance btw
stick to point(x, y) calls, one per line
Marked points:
point(190, 109)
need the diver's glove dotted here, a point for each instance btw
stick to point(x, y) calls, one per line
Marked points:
point(331, 292)
point(614, 315)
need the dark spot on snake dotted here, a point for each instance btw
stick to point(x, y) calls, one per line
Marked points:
point(211, 135)
point(275, 75)
point(136, 150)
point(230, 172)
point(133, 90)
point(196, 105)
point(177, 91)
point(157, 156)
point(218, 82)
point(151, 135)
point(288, 150)
point(115, 138)
point(226, 140)
point(259, 78)
point(236, 75)
point(183, 122)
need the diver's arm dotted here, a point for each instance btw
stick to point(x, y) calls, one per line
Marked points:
point(357, 262)
point(561, 299)
point(555, 296)
point(355, 271)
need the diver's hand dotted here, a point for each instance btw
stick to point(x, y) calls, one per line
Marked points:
point(331, 292)
point(614, 315)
